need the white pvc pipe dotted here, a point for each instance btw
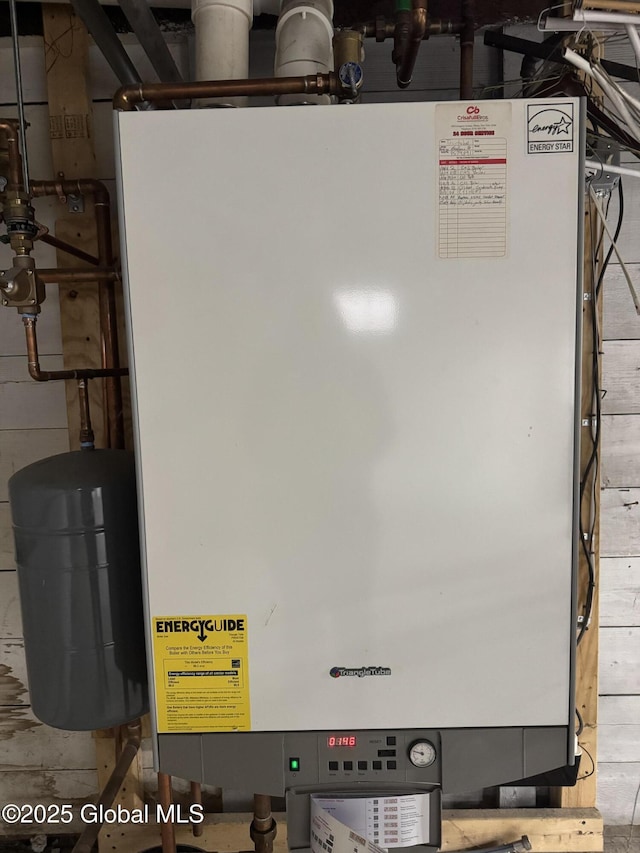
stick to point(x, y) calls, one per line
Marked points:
point(304, 44)
point(222, 40)
point(615, 170)
point(591, 16)
point(634, 38)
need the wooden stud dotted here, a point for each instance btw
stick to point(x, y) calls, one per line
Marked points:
point(66, 44)
point(583, 795)
point(549, 831)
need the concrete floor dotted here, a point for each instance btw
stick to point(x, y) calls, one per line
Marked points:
point(622, 839)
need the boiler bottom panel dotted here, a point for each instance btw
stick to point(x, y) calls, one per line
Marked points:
point(456, 760)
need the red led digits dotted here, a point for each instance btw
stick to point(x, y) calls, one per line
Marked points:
point(342, 740)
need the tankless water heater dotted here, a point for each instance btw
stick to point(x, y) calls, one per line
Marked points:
point(353, 336)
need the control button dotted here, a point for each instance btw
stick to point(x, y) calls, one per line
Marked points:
point(333, 765)
point(362, 765)
point(294, 765)
point(386, 753)
point(377, 765)
point(391, 741)
point(347, 765)
point(391, 765)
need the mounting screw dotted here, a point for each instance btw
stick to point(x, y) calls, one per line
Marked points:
point(4, 302)
point(586, 297)
point(33, 301)
point(29, 272)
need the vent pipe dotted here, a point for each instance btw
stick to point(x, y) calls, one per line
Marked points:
point(304, 44)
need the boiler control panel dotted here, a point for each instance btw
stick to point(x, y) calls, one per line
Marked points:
point(362, 756)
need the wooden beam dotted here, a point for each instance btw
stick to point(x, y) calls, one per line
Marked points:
point(583, 795)
point(66, 44)
point(549, 831)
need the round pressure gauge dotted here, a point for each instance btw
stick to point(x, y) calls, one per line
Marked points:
point(422, 753)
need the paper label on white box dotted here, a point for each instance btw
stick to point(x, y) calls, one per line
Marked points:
point(356, 824)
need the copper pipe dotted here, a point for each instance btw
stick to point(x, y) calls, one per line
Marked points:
point(128, 97)
point(87, 438)
point(385, 29)
point(39, 375)
point(11, 130)
point(263, 826)
point(167, 829)
point(406, 63)
point(114, 416)
point(467, 37)
point(63, 246)
point(196, 799)
point(85, 843)
point(65, 275)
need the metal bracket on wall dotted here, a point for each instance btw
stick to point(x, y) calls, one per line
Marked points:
point(75, 203)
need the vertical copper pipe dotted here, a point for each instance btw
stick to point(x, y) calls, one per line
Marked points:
point(114, 420)
point(10, 129)
point(263, 826)
point(167, 829)
point(196, 799)
point(404, 70)
point(87, 440)
point(467, 36)
point(109, 324)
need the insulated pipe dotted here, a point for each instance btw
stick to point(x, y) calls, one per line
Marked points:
point(128, 97)
point(96, 21)
point(222, 39)
point(304, 44)
point(196, 799)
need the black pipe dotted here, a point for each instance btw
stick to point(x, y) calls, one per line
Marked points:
point(150, 37)
point(96, 21)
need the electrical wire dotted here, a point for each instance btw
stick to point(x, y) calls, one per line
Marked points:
point(593, 764)
point(580, 728)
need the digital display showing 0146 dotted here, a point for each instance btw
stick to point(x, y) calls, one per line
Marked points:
point(341, 740)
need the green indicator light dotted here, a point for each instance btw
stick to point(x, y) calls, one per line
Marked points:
point(294, 764)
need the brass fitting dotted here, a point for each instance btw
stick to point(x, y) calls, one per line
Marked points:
point(19, 217)
point(21, 287)
point(348, 55)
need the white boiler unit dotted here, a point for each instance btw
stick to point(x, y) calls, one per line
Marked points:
point(353, 337)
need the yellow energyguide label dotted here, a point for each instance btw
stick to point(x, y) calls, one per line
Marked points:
point(201, 673)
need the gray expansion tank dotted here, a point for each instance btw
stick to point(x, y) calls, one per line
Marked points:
point(75, 525)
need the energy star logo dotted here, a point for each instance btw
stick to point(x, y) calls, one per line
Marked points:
point(550, 128)
point(360, 672)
